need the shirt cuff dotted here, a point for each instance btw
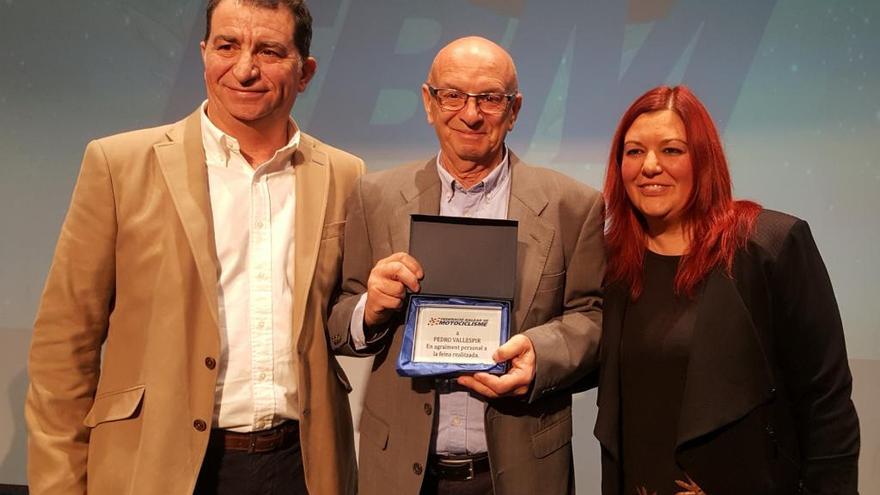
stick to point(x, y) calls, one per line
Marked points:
point(358, 339)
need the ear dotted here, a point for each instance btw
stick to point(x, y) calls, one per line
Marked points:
point(427, 101)
point(202, 47)
point(514, 110)
point(309, 67)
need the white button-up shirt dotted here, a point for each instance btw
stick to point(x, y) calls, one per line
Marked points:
point(253, 213)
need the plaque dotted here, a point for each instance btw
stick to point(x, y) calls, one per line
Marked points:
point(462, 313)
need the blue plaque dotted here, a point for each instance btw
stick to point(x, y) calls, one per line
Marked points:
point(462, 313)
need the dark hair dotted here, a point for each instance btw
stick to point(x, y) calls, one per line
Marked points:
point(302, 19)
point(717, 224)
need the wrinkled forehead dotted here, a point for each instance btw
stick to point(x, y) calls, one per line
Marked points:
point(244, 19)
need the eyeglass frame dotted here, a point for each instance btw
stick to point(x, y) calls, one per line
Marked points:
point(507, 96)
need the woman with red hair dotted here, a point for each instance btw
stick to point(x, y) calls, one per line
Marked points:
point(724, 367)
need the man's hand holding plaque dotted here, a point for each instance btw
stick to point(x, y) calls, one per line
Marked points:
point(386, 293)
point(386, 287)
point(521, 354)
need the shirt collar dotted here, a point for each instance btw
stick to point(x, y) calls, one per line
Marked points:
point(488, 186)
point(219, 145)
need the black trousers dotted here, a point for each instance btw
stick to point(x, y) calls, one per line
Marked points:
point(279, 472)
point(481, 484)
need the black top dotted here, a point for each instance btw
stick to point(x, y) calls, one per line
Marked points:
point(766, 401)
point(654, 351)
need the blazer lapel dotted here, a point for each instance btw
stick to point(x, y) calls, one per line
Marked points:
point(534, 236)
point(182, 162)
point(421, 195)
point(728, 374)
point(312, 185)
point(527, 202)
point(727, 377)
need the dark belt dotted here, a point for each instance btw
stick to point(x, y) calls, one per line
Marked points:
point(283, 435)
point(458, 467)
point(446, 385)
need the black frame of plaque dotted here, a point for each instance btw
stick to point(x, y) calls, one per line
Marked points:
point(463, 258)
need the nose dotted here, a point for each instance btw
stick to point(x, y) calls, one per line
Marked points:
point(470, 114)
point(651, 166)
point(246, 68)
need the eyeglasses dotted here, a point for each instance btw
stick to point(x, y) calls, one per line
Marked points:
point(454, 100)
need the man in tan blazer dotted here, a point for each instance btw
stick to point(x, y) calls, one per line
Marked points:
point(180, 343)
point(474, 435)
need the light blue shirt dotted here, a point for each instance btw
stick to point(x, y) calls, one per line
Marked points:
point(460, 426)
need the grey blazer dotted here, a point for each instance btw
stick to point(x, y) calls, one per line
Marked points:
point(558, 304)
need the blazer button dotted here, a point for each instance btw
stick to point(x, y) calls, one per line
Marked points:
point(428, 409)
point(200, 425)
point(210, 363)
point(417, 468)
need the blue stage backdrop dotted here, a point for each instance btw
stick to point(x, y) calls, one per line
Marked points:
point(793, 84)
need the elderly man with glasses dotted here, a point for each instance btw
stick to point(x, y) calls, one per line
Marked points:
point(482, 433)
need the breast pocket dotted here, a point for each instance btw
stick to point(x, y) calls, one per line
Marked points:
point(551, 281)
point(548, 298)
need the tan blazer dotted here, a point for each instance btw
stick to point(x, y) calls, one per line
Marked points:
point(558, 304)
point(135, 270)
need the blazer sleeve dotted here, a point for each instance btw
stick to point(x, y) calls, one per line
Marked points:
point(69, 330)
point(566, 347)
point(815, 367)
point(356, 266)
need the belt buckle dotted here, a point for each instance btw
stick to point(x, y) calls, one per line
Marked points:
point(445, 385)
point(461, 463)
point(252, 447)
point(470, 466)
point(442, 385)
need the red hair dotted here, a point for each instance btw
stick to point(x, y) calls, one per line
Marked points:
point(719, 224)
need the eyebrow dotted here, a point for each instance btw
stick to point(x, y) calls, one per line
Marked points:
point(483, 92)
point(664, 141)
point(272, 44)
point(229, 38)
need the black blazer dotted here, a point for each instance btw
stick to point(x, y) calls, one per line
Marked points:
point(766, 406)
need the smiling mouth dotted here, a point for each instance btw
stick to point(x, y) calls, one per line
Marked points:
point(652, 189)
point(470, 134)
point(245, 92)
